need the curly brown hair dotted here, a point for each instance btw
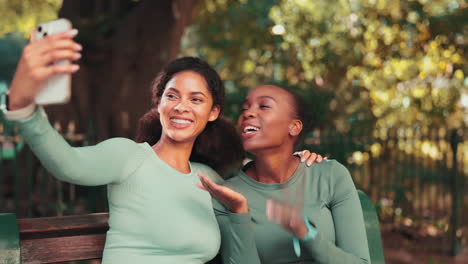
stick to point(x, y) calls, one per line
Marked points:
point(219, 145)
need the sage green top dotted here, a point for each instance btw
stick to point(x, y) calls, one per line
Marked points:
point(329, 200)
point(156, 213)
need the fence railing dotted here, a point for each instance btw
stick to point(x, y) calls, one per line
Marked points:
point(28, 190)
point(415, 175)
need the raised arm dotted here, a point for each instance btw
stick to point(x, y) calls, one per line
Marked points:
point(351, 241)
point(235, 223)
point(110, 161)
point(350, 236)
point(237, 237)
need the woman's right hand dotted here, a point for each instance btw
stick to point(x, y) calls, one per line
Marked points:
point(36, 65)
point(232, 200)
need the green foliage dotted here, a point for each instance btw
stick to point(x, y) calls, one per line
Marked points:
point(11, 47)
point(23, 15)
point(386, 63)
point(18, 18)
point(235, 37)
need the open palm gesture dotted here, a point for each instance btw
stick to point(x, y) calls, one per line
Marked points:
point(232, 200)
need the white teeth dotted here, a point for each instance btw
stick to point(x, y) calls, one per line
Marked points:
point(250, 129)
point(181, 121)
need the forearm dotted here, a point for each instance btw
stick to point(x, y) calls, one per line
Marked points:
point(324, 251)
point(237, 238)
point(84, 166)
point(350, 245)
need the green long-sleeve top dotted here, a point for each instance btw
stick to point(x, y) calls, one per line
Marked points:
point(156, 213)
point(330, 202)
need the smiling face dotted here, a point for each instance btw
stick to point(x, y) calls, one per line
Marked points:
point(268, 120)
point(185, 107)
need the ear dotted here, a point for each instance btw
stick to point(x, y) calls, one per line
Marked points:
point(214, 113)
point(295, 127)
point(157, 105)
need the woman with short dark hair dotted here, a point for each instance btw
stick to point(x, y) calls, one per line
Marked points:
point(299, 214)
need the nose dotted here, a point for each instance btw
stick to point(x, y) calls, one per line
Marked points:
point(181, 106)
point(248, 113)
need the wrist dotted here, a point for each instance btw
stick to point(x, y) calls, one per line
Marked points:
point(242, 208)
point(311, 234)
point(16, 102)
point(301, 230)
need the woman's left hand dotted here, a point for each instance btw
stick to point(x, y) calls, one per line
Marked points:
point(286, 216)
point(232, 200)
point(309, 157)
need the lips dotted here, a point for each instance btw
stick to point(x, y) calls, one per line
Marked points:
point(180, 122)
point(249, 130)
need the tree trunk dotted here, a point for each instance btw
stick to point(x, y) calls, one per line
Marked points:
point(126, 43)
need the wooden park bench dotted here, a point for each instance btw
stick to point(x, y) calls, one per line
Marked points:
point(82, 237)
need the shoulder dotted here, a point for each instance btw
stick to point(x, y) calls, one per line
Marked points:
point(208, 171)
point(235, 181)
point(119, 142)
point(123, 146)
point(331, 169)
point(336, 179)
point(126, 154)
point(242, 183)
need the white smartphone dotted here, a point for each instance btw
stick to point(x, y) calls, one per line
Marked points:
point(57, 89)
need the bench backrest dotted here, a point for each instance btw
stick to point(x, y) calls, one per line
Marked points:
point(55, 239)
point(81, 237)
point(374, 237)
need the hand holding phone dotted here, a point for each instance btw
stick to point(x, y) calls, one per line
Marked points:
point(46, 56)
point(57, 88)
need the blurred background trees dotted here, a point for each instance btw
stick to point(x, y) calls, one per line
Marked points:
point(361, 63)
point(384, 63)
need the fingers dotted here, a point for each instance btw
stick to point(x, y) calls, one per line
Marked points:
point(53, 42)
point(277, 212)
point(208, 184)
point(56, 50)
point(39, 55)
point(282, 214)
point(62, 44)
point(231, 199)
point(304, 155)
point(58, 55)
point(32, 36)
point(312, 158)
point(46, 72)
point(200, 185)
point(63, 35)
point(270, 210)
point(318, 159)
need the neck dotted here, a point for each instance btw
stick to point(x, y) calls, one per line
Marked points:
point(273, 166)
point(176, 154)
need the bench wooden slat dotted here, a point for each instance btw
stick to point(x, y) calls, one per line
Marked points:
point(59, 239)
point(43, 227)
point(61, 249)
point(74, 222)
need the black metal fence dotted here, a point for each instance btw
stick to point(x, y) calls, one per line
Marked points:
point(415, 175)
point(28, 190)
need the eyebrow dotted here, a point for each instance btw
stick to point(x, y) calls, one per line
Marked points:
point(192, 93)
point(261, 97)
